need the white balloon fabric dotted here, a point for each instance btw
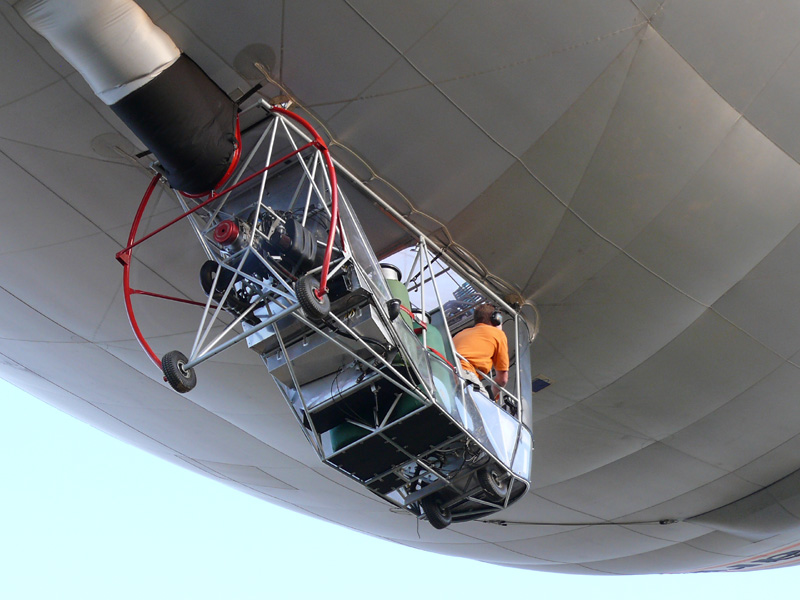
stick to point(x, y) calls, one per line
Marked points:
point(113, 44)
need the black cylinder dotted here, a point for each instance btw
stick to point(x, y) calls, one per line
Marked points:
point(187, 122)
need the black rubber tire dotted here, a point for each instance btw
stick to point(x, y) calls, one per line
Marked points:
point(314, 308)
point(437, 516)
point(490, 479)
point(207, 274)
point(181, 380)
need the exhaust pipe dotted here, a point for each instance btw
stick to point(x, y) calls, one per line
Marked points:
point(164, 97)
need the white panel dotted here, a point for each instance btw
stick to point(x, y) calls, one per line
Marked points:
point(40, 217)
point(725, 543)
point(241, 23)
point(764, 302)
point(773, 465)
point(404, 24)
point(513, 208)
point(775, 110)
point(530, 213)
point(64, 400)
point(435, 154)
point(575, 254)
point(531, 95)
point(17, 52)
point(71, 283)
point(680, 558)
point(278, 427)
point(735, 45)
point(32, 50)
point(78, 182)
point(18, 322)
point(481, 36)
point(397, 525)
point(676, 532)
point(246, 474)
point(588, 544)
point(578, 440)
point(761, 419)
point(346, 54)
point(732, 213)
point(533, 509)
point(570, 385)
point(314, 491)
point(196, 433)
point(56, 118)
point(113, 383)
point(696, 501)
point(559, 157)
point(155, 9)
point(702, 369)
point(561, 569)
point(660, 473)
point(618, 319)
point(509, 532)
point(485, 552)
point(209, 58)
point(665, 126)
point(649, 7)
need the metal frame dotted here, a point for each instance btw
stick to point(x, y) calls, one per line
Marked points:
point(268, 301)
point(205, 212)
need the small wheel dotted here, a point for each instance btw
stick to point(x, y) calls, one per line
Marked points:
point(437, 516)
point(208, 272)
point(316, 309)
point(493, 481)
point(182, 380)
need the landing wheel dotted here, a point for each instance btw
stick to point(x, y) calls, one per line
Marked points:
point(315, 308)
point(494, 482)
point(208, 272)
point(437, 516)
point(181, 379)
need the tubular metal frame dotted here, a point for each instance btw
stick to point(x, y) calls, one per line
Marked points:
point(272, 291)
point(309, 148)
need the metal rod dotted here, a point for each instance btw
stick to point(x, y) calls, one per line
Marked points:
point(241, 336)
point(418, 233)
point(422, 251)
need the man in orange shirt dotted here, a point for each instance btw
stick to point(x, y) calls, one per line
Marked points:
point(484, 346)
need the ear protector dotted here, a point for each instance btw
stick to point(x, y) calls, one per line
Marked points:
point(496, 318)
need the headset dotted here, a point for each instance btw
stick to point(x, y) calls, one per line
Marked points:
point(497, 317)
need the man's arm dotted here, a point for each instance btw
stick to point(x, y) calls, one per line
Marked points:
point(500, 379)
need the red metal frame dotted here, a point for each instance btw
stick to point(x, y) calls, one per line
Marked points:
point(124, 256)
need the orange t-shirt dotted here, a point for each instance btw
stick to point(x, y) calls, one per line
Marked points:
point(483, 346)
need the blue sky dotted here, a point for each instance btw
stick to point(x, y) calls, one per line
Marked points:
point(86, 516)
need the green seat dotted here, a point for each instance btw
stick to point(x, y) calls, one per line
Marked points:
point(405, 405)
point(434, 339)
point(345, 434)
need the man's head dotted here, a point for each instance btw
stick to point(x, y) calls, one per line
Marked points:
point(483, 314)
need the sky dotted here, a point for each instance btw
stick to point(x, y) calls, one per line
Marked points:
point(87, 516)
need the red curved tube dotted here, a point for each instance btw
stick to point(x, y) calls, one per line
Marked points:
point(237, 153)
point(124, 256)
